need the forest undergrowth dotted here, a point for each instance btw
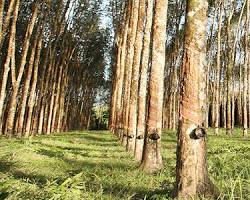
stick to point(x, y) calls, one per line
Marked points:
point(93, 165)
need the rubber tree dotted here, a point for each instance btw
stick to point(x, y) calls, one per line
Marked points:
point(191, 168)
point(152, 159)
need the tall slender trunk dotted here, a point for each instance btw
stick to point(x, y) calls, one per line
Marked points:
point(117, 70)
point(17, 80)
point(6, 22)
point(191, 167)
point(55, 110)
point(6, 67)
point(218, 72)
point(133, 114)
point(25, 91)
point(142, 97)
point(116, 73)
point(120, 82)
point(31, 100)
point(51, 102)
point(152, 159)
point(174, 98)
point(128, 68)
point(2, 2)
point(61, 104)
point(246, 71)
point(229, 76)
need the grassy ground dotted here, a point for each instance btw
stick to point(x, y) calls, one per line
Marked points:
point(93, 165)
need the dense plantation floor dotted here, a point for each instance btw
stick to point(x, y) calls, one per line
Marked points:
point(93, 165)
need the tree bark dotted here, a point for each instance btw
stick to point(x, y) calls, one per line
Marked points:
point(218, 72)
point(6, 22)
point(31, 100)
point(120, 82)
point(133, 114)
point(6, 68)
point(152, 159)
point(191, 167)
point(25, 91)
point(142, 97)
point(128, 70)
point(17, 80)
point(245, 122)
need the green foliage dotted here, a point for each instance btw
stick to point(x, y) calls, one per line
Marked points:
point(93, 165)
point(100, 117)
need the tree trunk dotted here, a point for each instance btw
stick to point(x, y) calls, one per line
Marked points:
point(1, 17)
point(25, 91)
point(128, 70)
point(218, 72)
point(191, 168)
point(142, 98)
point(6, 22)
point(246, 72)
point(152, 159)
point(120, 81)
point(6, 67)
point(31, 100)
point(16, 81)
point(133, 114)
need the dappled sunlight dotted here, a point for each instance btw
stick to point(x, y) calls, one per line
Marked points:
point(97, 166)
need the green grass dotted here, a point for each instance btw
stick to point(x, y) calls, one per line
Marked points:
point(93, 165)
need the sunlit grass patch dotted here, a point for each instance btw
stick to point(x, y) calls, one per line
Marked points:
point(93, 165)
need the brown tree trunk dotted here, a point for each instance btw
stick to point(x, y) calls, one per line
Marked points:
point(133, 106)
point(55, 109)
point(61, 104)
point(245, 122)
point(6, 22)
point(25, 91)
point(51, 103)
point(120, 81)
point(1, 17)
point(16, 81)
point(128, 71)
point(31, 100)
point(142, 98)
point(191, 168)
point(218, 72)
point(152, 159)
point(229, 76)
point(6, 67)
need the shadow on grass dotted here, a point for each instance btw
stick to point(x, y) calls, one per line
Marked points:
point(9, 167)
point(119, 190)
point(85, 164)
point(5, 166)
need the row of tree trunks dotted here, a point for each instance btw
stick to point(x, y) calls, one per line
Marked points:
point(8, 59)
point(140, 124)
point(39, 93)
point(137, 121)
point(225, 68)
